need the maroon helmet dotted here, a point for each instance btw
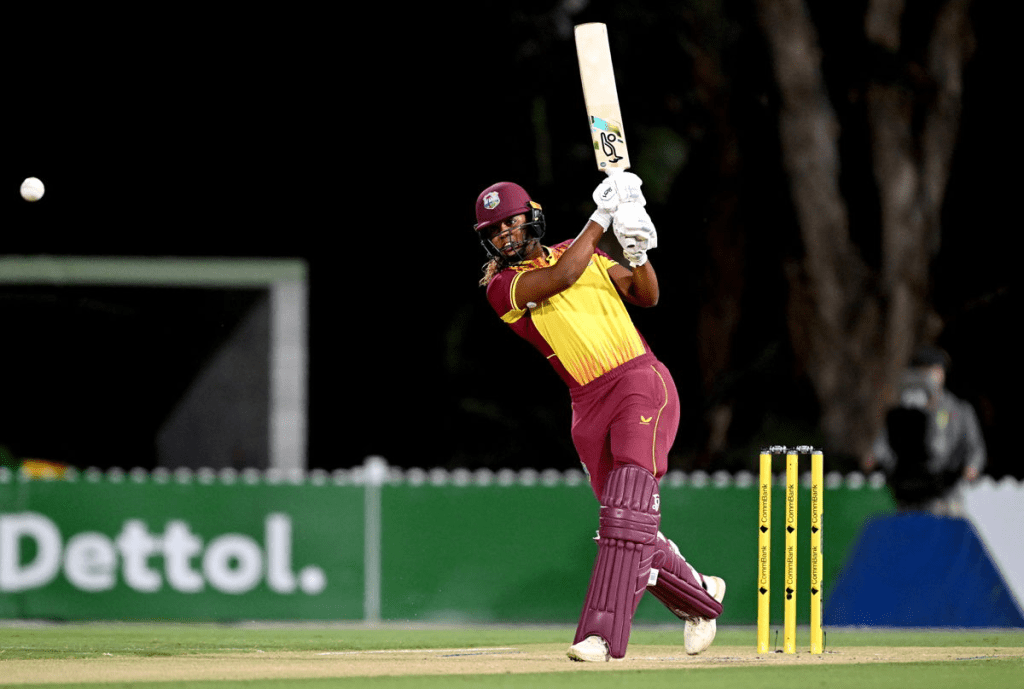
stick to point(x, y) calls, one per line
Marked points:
point(499, 202)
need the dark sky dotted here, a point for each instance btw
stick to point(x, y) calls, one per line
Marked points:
point(359, 143)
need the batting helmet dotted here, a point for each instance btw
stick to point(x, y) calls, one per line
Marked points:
point(501, 201)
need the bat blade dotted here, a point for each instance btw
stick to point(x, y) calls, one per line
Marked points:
point(601, 97)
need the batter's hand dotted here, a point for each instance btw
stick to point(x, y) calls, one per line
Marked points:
point(616, 189)
point(633, 225)
point(635, 231)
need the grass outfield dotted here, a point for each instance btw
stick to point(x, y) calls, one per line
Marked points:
point(266, 657)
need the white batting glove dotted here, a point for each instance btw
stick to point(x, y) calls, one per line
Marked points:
point(616, 189)
point(635, 231)
point(633, 224)
point(636, 257)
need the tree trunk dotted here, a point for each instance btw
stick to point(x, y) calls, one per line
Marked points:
point(722, 282)
point(854, 327)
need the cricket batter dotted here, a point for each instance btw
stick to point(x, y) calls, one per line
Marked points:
point(567, 301)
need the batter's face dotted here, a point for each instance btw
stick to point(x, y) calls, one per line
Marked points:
point(510, 236)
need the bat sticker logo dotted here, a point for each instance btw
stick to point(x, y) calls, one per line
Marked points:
point(608, 147)
point(611, 132)
point(605, 125)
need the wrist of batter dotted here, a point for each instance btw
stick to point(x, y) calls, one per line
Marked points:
point(602, 218)
point(636, 259)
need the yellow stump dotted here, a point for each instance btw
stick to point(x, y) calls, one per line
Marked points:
point(817, 511)
point(764, 553)
point(792, 490)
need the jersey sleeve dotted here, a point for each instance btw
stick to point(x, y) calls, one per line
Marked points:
point(604, 259)
point(501, 296)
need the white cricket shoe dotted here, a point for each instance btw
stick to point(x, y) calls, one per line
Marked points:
point(593, 649)
point(699, 632)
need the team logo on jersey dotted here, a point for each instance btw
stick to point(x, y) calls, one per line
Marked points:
point(492, 200)
point(645, 420)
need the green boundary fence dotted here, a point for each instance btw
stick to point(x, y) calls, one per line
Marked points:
point(367, 544)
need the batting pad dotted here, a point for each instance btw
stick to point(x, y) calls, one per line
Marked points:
point(677, 585)
point(626, 546)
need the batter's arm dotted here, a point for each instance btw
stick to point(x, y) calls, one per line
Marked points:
point(638, 286)
point(538, 285)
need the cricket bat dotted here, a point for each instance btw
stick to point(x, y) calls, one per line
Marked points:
point(601, 98)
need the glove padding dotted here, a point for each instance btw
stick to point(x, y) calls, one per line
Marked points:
point(616, 189)
point(635, 232)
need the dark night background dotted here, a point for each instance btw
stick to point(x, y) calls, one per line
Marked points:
point(359, 143)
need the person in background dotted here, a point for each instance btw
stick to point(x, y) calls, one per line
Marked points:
point(932, 440)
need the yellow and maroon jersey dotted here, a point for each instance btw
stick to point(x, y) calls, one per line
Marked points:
point(584, 331)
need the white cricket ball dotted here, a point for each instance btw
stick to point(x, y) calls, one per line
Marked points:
point(32, 189)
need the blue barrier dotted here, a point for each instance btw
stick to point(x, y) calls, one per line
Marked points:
point(920, 570)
